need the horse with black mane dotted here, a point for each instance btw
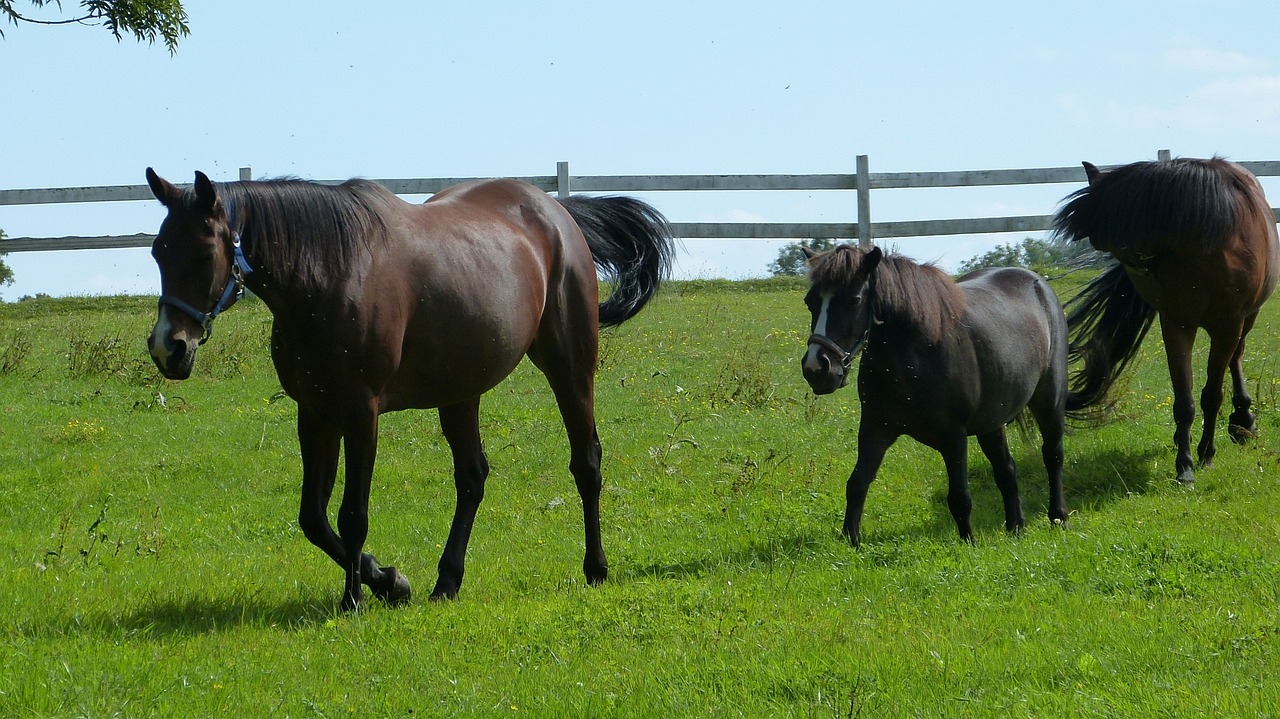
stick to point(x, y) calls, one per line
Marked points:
point(941, 361)
point(1194, 242)
point(380, 305)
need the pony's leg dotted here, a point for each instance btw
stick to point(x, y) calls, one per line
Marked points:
point(996, 446)
point(460, 424)
point(956, 456)
point(872, 446)
point(1241, 425)
point(1052, 424)
point(319, 439)
point(1177, 348)
point(1220, 354)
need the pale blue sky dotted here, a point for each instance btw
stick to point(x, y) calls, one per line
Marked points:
point(330, 90)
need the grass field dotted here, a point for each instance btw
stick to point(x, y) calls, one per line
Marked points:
point(155, 568)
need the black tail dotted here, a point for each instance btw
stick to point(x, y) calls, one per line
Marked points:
point(632, 244)
point(1107, 322)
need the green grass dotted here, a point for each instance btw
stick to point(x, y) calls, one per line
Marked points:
point(155, 568)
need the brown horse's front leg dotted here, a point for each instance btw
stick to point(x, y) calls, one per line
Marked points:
point(1177, 347)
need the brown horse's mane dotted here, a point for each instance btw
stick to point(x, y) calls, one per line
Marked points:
point(917, 295)
point(303, 231)
point(1145, 209)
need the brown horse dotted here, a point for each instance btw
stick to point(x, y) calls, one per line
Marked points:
point(1195, 243)
point(380, 305)
point(941, 361)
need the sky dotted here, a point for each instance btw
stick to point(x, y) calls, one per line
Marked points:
point(396, 89)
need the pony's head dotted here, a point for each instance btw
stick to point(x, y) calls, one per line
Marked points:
point(841, 289)
point(201, 270)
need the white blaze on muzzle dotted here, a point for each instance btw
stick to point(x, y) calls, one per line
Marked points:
point(813, 358)
point(159, 341)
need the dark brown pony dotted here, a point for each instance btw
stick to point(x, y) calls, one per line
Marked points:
point(1195, 243)
point(380, 305)
point(941, 361)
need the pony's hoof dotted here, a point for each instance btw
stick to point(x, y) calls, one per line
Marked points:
point(1241, 434)
point(444, 590)
point(1186, 478)
point(397, 591)
point(596, 575)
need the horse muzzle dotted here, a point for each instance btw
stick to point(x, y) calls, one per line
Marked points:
point(822, 373)
point(171, 349)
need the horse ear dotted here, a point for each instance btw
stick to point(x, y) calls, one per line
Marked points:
point(872, 260)
point(206, 195)
point(808, 253)
point(164, 190)
point(1092, 172)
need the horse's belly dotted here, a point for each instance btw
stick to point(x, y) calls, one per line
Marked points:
point(446, 378)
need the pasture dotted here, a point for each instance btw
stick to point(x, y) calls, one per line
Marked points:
point(155, 566)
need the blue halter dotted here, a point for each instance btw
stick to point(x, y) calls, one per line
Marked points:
point(240, 271)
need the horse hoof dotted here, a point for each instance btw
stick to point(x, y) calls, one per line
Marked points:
point(1241, 434)
point(596, 575)
point(444, 590)
point(351, 605)
point(398, 592)
point(1187, 478)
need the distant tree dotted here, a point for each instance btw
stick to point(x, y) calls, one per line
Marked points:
point(1035, 254)
point(6, 274)
point(144, 19)
point(791, 257)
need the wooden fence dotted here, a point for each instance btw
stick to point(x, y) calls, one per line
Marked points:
point(860, 183)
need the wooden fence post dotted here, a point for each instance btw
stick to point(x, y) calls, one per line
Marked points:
point(562, 180)
point(246, 174)
point(863, 187)
point(1164, 155)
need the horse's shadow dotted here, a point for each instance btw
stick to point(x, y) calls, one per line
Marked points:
point(1091, 481)
point(196, 616)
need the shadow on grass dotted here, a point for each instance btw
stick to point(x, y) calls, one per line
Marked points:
point(770, 553)
point(1090, 482)
point(190, 616)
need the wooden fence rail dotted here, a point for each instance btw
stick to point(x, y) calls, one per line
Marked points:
point(861, 183)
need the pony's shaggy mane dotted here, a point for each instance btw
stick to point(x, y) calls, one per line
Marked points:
point(920, 296)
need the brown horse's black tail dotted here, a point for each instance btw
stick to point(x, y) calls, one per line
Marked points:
point(1107, 322)
point(632, 245)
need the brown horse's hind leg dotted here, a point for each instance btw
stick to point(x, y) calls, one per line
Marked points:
point(1241, 425)
point(996, 446)
point(575, 397)
point(1177, 347)
point(1221, 355)
point(565, 351)
point(460, 424)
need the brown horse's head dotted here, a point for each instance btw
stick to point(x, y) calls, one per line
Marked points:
point(840, 302)
point(201, 269)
